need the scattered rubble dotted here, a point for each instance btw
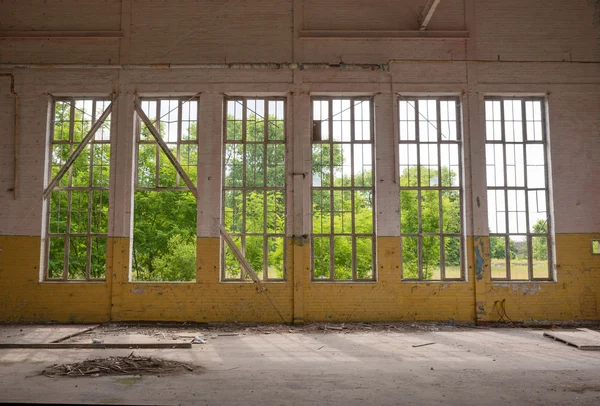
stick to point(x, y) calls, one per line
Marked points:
point(130, 365)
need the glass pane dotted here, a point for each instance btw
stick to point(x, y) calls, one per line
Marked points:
point(58, 211)
point(409, 211)
point(452, 263)
point(494, 156)
point(427, 121)
point(519, 258)
point(342, 207)
point(255, 165)
point(431, 258)
point(275, 257)
point(451, 211)
point(234, 165)
point(98, 261)
point(428, 156)
point(79, 211)
point(60, 154)
point(342, 163)
point(149, 108)
point(56, 257)
point(275, 212)
point(448, 120)
point(101, 165)
point(364, 258)
point(517, 214)
point(233, 211)
point(103, 133)
point(232, 266)
point(450, 165)
point(321, 211)
point(169, 120)
point(430, 211)
point(80, 170)
point(77, 257)
point(363, 211)
point(536, 177)
point(515, 169)
point(538, 217)
point(275, 165)
point(539, 255)
point(147, 165)
point(255, 216)
point(62, 117)
point(410, 258)
point(255, 120)
point(83, 119)
point(408, 160)
point(498, 257)
point(276, 120)
point(342, 257)
point(167, 174)
point(189, 117)
point(363, 165)
point(188, 158)
point(321, 161)
point(255, 254)
point(362, 123)
point(234, 125)
point(321, 257)
point(99, 211)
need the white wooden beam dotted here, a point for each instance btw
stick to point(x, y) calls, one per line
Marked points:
point(427, 13)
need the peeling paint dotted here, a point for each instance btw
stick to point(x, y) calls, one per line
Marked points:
point(138, 291)
point(527, 289)
point(479, 254)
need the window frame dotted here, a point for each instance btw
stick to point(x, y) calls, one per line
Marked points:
point(352, 188)
point(180, 185)
point(262, 274)
point(529, 235)
point(70, 188)
point(459, 142)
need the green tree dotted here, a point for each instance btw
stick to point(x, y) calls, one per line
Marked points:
point(430, 221)
point(539, 245)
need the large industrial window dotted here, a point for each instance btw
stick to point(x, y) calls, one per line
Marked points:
point(517, 187)
point(254, 187)
point(431, 220)
point(343, 237)
point(164, 223)
point(77, 215)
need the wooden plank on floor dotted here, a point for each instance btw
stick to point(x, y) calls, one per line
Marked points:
point(583, 339)
point(54, 346)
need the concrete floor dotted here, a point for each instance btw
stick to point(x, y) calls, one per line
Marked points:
point(285, 366)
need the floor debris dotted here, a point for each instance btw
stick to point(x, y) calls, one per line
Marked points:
point(421, 345)
point(130, 365)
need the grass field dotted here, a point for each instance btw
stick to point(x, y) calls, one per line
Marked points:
point(518, 269)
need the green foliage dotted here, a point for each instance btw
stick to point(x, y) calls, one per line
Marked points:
point(164, 235)
point(430, 221)
point(85, 205)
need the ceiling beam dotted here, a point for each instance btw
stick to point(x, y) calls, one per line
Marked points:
point(427, 13)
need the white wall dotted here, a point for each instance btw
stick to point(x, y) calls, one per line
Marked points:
point(536, 36)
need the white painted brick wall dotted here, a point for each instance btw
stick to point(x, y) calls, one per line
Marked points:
point(194, 31)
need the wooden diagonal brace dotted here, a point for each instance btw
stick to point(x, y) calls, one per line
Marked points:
point(238, 254)
point(78, 150)
point(427, 13)
point(166, 150)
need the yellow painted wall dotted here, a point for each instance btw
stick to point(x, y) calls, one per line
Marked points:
point(575, 296)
